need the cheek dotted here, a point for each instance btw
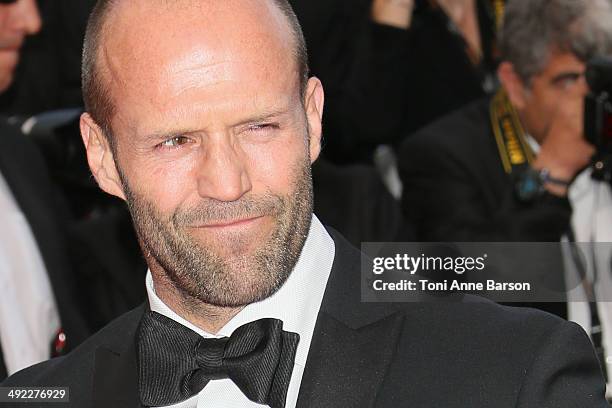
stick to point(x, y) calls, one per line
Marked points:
point(165, 183)
point(547, 110)
point(540, 109)
point(271, 166)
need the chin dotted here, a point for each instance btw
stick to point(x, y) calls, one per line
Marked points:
point(237, 247)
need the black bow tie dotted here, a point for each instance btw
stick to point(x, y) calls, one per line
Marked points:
point(175, 362)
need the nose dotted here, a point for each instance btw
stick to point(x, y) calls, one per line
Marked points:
point(222, 170)
point(24, 17)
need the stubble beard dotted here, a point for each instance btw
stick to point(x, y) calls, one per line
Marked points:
point(202, 273)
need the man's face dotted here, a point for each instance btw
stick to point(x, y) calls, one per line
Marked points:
point(561, 82)
point(213, 153)
point(17, 19)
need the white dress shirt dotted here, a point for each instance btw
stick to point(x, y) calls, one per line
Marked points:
point(296, 303)
point(29, 319)
point(591, 222)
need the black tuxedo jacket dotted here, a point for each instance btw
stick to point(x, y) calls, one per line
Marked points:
point(469, 354)
point(24, 170)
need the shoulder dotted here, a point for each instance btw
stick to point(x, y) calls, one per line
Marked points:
point(500, 338)
point(542, 359)
point(77, 367)
point(484, 354)
point(476, 317)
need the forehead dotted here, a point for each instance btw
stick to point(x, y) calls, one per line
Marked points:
point(560, 62)
point(164, 56)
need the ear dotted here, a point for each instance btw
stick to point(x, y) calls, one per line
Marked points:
point(513, 84)
point(315, 99)
point(100, 157)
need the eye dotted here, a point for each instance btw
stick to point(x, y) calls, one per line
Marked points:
point(566, 81)
point(260, 127)
point(174, 142)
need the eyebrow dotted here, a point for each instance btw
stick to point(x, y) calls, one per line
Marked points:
point(263, 117)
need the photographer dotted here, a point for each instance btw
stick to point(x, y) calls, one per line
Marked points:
point(515, 167)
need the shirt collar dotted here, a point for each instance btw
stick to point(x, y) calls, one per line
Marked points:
point(535, 146)
point(296, 303)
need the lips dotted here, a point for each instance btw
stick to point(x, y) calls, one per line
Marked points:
point(230, 223)
point(14, 45)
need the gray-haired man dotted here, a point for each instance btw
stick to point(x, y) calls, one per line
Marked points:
point(516, 167)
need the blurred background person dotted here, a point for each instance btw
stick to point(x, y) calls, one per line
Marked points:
point(515, 167)
point(39, 317)
point(418, 60)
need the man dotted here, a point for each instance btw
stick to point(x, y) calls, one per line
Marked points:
point(38, 318)
point(204, 120)
point(514, 167)
point(110, 262)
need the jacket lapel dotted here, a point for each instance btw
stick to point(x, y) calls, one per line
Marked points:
point(115, 380)
point(353, 342)
point(345, 367)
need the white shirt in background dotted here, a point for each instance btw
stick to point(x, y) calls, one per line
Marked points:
point(592, 223)
point(29, 319)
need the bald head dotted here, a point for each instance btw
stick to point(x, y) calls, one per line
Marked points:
point(125, 39)
point(201, 118)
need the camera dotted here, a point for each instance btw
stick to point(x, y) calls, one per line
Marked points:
point(598, 114)
point(598, 104)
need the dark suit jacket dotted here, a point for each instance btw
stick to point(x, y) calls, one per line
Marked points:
point(455, 187)
point(26, 175)
point(471, 354)
point(456, 190)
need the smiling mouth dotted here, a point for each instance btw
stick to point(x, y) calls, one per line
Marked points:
point(230, 223)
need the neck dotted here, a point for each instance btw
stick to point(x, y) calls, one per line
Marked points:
point(205, 316)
